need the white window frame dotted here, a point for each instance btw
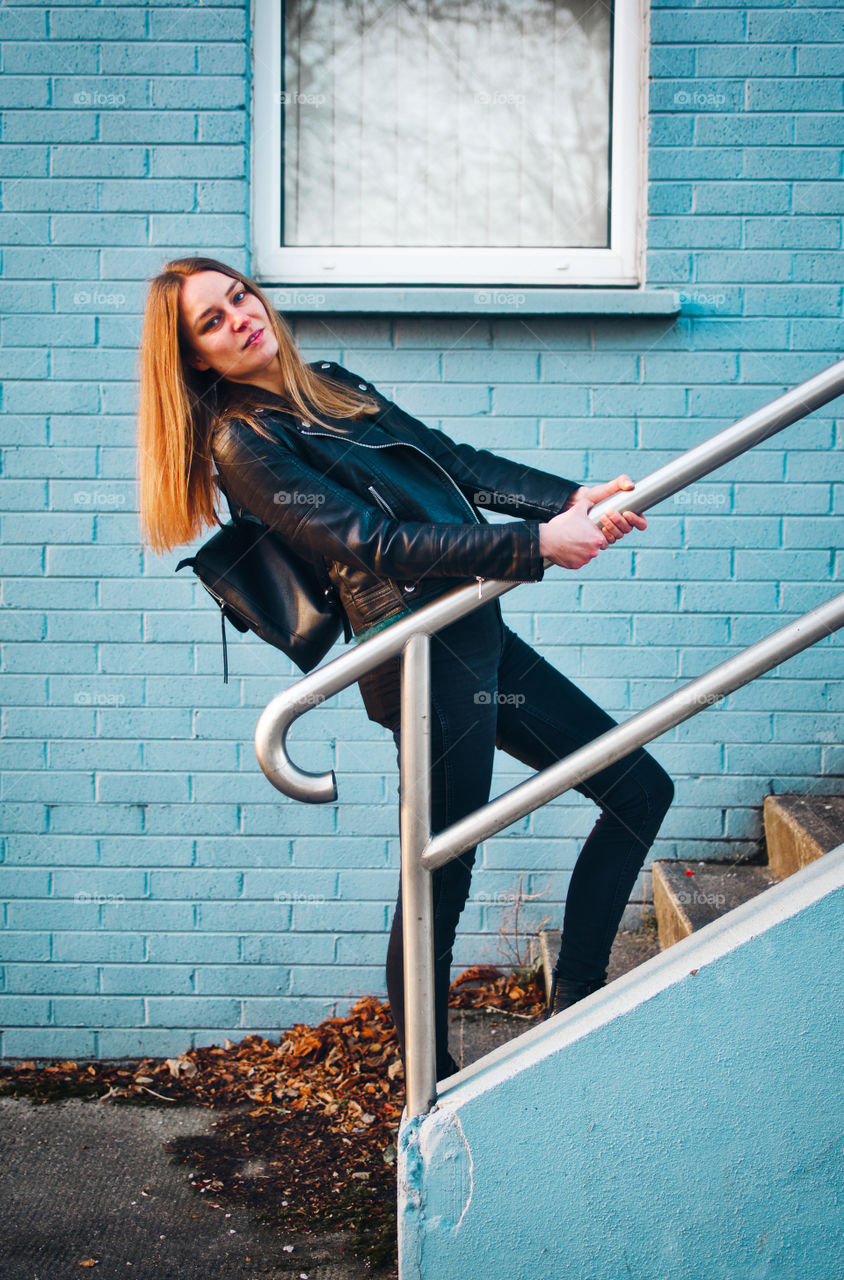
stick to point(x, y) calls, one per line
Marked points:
point(273, 263)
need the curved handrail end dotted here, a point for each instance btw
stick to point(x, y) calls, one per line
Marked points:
point(271, 750)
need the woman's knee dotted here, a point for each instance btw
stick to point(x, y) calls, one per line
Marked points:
point(644, 789)
point(661, 786)
point(658, 784)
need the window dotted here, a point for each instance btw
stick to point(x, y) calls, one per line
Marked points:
point(446, 141)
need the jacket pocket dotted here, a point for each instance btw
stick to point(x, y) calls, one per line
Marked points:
point(382, 503)
point(374, 604)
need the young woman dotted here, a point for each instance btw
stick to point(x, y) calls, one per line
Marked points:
point(392, 512)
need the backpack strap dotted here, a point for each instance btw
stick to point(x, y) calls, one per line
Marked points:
point(191, 560)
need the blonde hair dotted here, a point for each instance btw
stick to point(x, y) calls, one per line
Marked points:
point(179, 406)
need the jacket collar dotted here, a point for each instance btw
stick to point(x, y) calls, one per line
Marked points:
point(347, 428)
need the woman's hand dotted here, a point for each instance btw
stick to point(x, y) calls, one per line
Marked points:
point(571, 540)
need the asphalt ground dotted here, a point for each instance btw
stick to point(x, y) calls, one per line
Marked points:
point(84, 1180)
point(89, 1186)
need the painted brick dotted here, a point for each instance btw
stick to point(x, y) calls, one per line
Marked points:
point(147, 195)
point(742, 197)
point(48, 1043)
point(670, 128)
point(17, 228)
point(180, 93)
point(793, 232)
point(127, 58)
point(751, 60)
point(245, 981)
point(23, 92)
point(22, 24)
point(196, 161)
point(190, 24)
point(23, 162)
point(814, 300)
point(791, 162)
point(774, 26)
point(681, 27)
point(221, 59)
point(146, 128)
point(743, 169)
point(814, 94)
point(30, 947)
point(217, 196)
point(819, 59)
point(670, 197)
point(816, 130)
point(697, 163)
point(695, 231)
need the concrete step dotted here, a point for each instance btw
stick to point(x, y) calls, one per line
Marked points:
point(630, 948)
point(800, 829)
point(688, 895)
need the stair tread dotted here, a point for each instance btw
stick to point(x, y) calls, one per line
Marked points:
point(820, 817)
point(713, 888)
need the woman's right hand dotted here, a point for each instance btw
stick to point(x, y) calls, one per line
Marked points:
point(570, 539)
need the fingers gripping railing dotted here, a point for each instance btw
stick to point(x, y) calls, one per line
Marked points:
point(421, 852)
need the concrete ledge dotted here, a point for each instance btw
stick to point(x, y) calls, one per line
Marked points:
point(685, 1121)
point(687, 957)
point(499, 300)
point(801, 829)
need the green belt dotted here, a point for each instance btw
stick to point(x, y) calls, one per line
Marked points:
point(379, 626)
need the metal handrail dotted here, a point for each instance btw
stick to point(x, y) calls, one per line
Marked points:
point(619, 741)
point(279, 714)
point(421, 852)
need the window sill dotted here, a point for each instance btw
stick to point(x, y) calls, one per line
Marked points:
point(496, 300)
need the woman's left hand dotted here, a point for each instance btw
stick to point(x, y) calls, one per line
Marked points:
point(614, 524)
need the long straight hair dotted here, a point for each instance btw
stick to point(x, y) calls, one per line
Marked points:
point(179, 406)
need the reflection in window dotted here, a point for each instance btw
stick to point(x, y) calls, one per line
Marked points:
point(450, 123)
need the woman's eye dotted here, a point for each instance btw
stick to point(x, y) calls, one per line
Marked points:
point(236, 297)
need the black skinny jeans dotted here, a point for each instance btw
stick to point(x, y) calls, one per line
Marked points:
point(490, 689)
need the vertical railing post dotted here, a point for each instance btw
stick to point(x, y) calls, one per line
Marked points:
point(417, 889)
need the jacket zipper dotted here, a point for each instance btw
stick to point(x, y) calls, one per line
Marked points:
point(383, 503)
point(399, 444)
point(402, 444)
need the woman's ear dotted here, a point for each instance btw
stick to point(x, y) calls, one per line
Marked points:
point(196, 362)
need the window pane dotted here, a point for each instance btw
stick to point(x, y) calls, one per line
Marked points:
point(451, 123)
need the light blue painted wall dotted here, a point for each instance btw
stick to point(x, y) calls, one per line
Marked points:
point(692, 1130)
point(158, 892)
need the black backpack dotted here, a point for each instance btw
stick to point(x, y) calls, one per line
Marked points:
point(261, 585)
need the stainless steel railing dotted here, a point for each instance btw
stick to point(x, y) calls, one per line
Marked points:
point(420, 852)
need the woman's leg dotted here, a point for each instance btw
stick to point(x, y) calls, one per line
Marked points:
point(542, 717)
point(464, 663)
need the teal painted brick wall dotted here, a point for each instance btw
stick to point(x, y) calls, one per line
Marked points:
point(156, 890)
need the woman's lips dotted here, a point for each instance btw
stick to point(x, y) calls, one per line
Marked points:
point(253, 338)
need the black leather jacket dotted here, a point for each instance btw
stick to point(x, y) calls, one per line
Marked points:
point(389, 507)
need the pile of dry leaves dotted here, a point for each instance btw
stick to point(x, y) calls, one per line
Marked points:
point(309, 1140)
point(487, 988)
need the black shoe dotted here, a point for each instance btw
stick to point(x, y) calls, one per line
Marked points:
point(451, 1069)
point(566, 992)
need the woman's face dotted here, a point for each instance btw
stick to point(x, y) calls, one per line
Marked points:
point(227, 328)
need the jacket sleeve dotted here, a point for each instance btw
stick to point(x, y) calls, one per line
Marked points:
point(317, 516)
point(486, 479)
